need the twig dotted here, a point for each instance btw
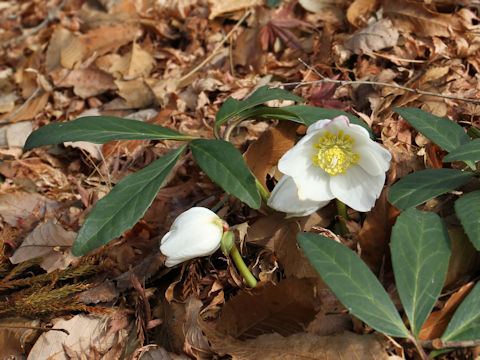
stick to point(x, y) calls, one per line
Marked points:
point(34, 328)
point(367, 82)
point(50, 17)
point(440, 344)
point(214, 52)
point(38, 92)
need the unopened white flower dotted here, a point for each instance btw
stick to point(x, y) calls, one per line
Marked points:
point(194, 233)
point(335, 159)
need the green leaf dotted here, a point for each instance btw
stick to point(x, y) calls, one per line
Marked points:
point(124, 205)
point(99, 130)
point(442, 131)
point(307, 115)
point(424, 185)
point(467, 208)
point(469, 151)
point(353, 283)
point(225, 165)
point(465, 324)
point(232, 107)
point(420, 248)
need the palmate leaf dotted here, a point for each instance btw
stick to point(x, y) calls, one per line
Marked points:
point(99, 130)
point(124, 205)
point(232, 107)
point(465, 323)
point(353, 283)
point(420, 248)
point(225, 165)
point(467, 208)
point(424, 185)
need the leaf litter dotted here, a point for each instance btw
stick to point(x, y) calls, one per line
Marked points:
point(62, 59)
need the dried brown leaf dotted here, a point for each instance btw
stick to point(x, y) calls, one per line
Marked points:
point(218, 8)
point(87, 82)
point(437, 321)
point(49, 241)
point(359, 11)
point(377, 36)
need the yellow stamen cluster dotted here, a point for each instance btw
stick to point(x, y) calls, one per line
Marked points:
point(335, 153)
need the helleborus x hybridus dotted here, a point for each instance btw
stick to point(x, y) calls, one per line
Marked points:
point(194, 233)
point(335, 159)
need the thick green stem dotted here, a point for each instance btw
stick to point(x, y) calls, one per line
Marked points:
point(242, 268)
point(342, 211)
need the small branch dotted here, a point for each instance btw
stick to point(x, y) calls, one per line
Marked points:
point(33, 328)
point(50, 17)
point(380, 83)
point(438, 344)
point(214, 52)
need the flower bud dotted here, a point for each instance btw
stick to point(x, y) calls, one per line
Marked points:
point(194, 233)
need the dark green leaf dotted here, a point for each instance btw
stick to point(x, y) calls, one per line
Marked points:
point(273, 3)
point(465, 324)
point(424, 185)
point(353, 283)
point(225, 165)
point(442, 131)
point(99, 130)
point(232, 107)
point(469, 151)
point(307, 115)
point(467, 208)
point(124, 205)
point(420, 248)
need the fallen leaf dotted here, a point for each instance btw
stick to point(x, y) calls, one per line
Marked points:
point(136, 63)
point(21, 207)
point(136, 93)
point(359, 11)
point(377, 36)
point(49, 241)
point(437, 321)
point(16, 134)
point(285, 308)
point(316, 6)
point(218, 8)
point(264, 153)
point(86, 82)
point(28, 110)
point(86, 334)
point(14, 335)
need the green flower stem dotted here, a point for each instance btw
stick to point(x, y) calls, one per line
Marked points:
point(263, 192)
point(237, 259)
point(342, 211)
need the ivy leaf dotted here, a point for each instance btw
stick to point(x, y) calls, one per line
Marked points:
point(124, 205)
point(232, 107)
point(465, 323)
point(466, 152)
point(467, 208)
point(420, 248)
point(353, 283)
point(99, 130)
point(225, 165)
point(442, 131)
point(424, 185)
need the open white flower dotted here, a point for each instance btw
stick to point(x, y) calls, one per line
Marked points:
point(194, 233)
point(335, 159)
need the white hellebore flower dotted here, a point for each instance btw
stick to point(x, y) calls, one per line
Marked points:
point(194, 233)
point(335, 159)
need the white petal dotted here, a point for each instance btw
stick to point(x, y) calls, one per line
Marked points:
point(299, 158)
point(374, 159)
point(313, 184)
point(357, 188)
point(284, 198)
point(318, 126)
point(196, 232)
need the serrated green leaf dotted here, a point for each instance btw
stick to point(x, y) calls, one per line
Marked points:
point(308, 115)
point(225, 165)
point(424, 185)
point(466, 152)
point(442, 131)
point(465, 323)
point(99, 130)
point(467, 208)
point(420, 248)
point(124, 205)
point(353, 283)
point(232, 107)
